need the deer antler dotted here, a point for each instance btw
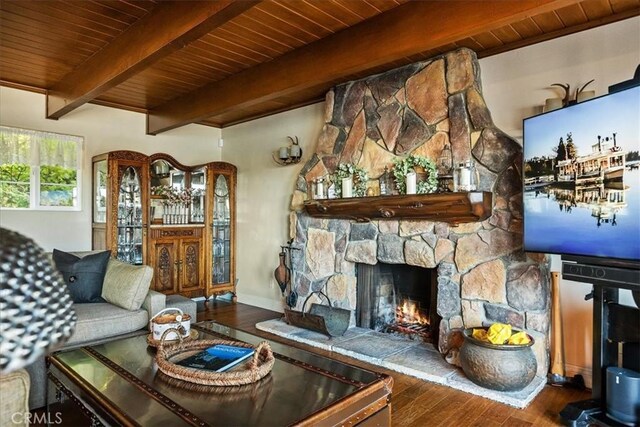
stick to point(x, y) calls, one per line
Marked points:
point(584, 86)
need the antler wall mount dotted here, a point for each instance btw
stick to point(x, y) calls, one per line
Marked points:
point(288, 155)
point(581, 95)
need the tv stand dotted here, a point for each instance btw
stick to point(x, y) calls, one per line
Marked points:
point(611, 325)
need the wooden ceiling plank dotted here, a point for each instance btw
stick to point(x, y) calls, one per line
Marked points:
point(506, 34)
point(194, 67)
point(224, 48)
point(297, 31)
point(201, 62)
point(346, 13)
point(487, 40)
point(42, 36)
point(58, 32)
point(221, 41)
point(620, 6)
point(527, 28)
point(548, 22)
point(166, 29)
point(595, 9)
point(296, 18)
point(362, 9)
point(29, 38)
point(53, 13)
point(18, 43)
point(572, 15)
point(562, 32)
point(469, 43)
point(372, 43)
point(204, 49)
point(271, 35)
point(18, 57)
point(302, 8)
point(98, 13)
point(384, 5)
point(137, 8)
point(246, 36)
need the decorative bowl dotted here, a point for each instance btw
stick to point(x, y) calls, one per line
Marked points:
point(502, 367)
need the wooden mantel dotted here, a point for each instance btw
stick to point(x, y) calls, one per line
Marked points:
point(454, 208)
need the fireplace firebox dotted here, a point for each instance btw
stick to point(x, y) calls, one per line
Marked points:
point(398, 299)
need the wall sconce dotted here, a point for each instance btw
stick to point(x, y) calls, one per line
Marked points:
point(288, 155)
point(581, 95)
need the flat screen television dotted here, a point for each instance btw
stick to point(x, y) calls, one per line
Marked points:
point(582, 180)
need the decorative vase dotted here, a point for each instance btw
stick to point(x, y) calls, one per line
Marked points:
point(502, 367)
point(281, 273)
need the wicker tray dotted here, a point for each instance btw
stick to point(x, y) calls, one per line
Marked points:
point(193, 334)
point(255, 369)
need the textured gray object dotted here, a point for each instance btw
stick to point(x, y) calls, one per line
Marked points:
point(36, 310)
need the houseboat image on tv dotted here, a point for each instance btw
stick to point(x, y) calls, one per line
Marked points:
point(604, 163)
point(604, 201)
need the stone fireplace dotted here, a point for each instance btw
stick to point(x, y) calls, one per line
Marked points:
point(482, 274)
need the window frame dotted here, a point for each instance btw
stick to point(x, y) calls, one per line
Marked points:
point(34, 174)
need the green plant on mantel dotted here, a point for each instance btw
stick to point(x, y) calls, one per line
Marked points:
point(402, 166)
point(359, 175)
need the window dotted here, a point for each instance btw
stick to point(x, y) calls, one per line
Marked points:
point(39, 170)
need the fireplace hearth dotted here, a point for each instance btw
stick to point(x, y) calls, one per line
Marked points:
point(398, 299)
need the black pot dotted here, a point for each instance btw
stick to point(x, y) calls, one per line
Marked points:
point(503, 367)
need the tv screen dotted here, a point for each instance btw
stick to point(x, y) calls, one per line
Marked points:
point(582, 178)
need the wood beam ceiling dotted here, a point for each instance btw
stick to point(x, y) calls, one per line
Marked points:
point(168, 27)
point(407, 30)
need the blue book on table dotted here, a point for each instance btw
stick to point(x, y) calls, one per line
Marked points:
point(219, 358)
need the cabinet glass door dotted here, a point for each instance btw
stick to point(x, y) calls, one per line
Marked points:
point(100, 191)
point(130, 217)
point(198, 187)
point(221, 232)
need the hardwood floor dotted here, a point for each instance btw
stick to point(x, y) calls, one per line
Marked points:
point(415, 402)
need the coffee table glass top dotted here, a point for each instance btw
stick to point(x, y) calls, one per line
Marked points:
point(124, 375)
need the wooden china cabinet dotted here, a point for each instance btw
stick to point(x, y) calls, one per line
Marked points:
point(178, 219)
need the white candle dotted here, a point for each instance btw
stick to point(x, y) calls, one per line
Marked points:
point(411, 183)
point(319, 190)
point(347, 187)
point(552, 104)
point(295, 151)
point(465, 178)
point(585, 94)
point(283, 154)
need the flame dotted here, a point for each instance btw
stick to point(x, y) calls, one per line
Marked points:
point(408, 313)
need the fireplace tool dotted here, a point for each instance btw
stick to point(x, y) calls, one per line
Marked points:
point(283, 272)
point(326, 319)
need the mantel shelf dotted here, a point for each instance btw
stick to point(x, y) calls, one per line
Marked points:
point(454, 208)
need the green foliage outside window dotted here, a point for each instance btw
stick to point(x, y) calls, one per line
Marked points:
point(55, 159)
point(14, 185)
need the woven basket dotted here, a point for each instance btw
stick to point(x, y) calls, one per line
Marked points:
point(193, 334)
point(255, 369)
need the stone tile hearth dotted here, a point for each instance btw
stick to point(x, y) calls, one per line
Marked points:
point(415, 358)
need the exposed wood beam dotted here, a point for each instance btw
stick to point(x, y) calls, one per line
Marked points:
point(169, 27)
point(409, 29)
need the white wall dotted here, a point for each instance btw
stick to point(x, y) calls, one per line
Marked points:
point(515, 85)
point(104, 129)
point(264, 195)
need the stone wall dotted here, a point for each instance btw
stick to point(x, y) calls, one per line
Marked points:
point(483, 274)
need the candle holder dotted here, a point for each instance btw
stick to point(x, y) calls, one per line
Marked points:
point(288, 155)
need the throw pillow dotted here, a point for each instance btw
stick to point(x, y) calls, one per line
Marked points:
point(126, 285)
point(83, 276)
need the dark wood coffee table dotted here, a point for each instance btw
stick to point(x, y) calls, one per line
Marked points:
point(117, 383)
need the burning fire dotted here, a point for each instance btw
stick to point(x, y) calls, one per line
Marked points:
point(408, 313)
